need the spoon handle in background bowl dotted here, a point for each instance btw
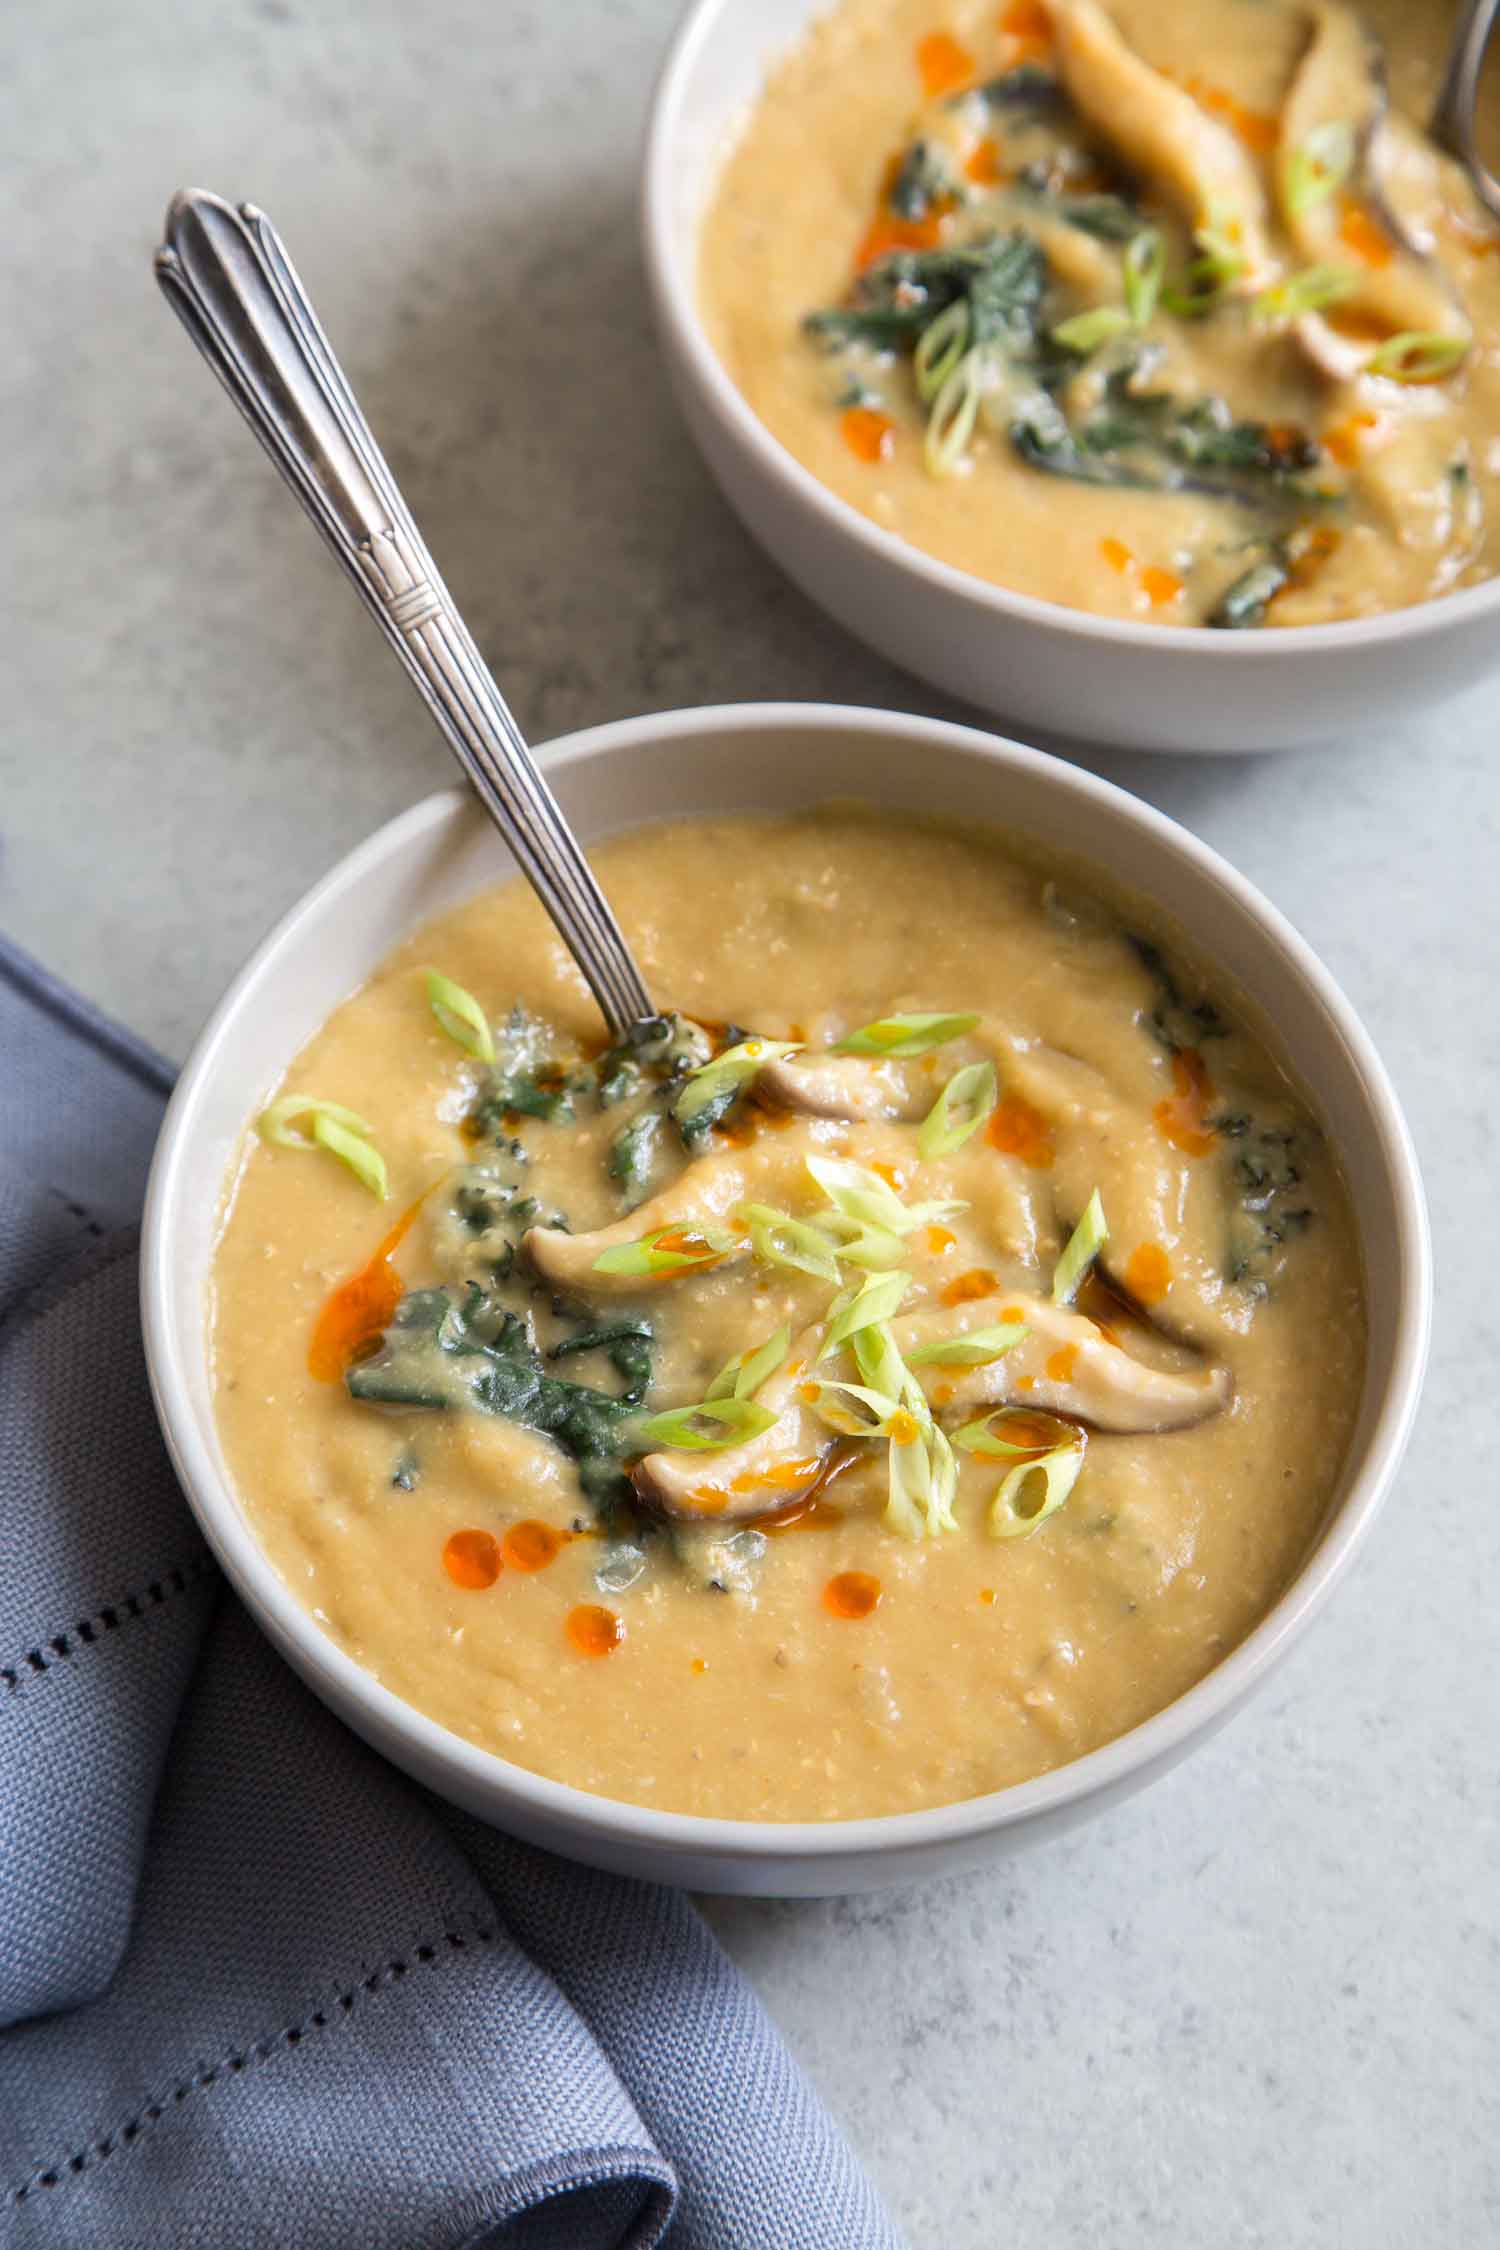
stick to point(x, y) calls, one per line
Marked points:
point(1452, 125)
point(231, 284)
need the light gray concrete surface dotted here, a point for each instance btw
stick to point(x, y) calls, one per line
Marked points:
point(1260, 2006)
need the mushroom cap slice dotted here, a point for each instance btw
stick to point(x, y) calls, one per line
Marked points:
point(1161, 131)
point(1064, 1363)
point(738, 1482)
point(841, 1086)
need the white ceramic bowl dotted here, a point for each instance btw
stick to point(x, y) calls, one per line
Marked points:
point(768, 756)
point(1149, 687)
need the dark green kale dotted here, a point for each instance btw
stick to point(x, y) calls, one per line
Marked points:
point(922, 179)
point(1028, 87)
point(634, 1153)
point(1174, 1022)
point(1245, 602)
point(1001, 276)
point(628, 1344)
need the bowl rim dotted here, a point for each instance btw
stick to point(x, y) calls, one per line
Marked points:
point(483, 1775)
point(675, 296)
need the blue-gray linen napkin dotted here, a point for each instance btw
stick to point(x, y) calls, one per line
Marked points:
point(256, 1988)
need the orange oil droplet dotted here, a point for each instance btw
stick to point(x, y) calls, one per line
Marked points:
point(532, 1546)
point(1016, 1129)
point(700, 1663)
point(1160, 586)
point(986, 1595)
point(594, 1631)
point(886, 233)
point(869, 435)
point(810, 1513)
point(1116, 554)
point(1182, 1118)
point(853, 1593)
point(983, 164)
point(1342, 441)
point(943, 63)
point(939, 1240)
point(472, 1560)
point(359, 1309)
point(1360, 234)
point(781, 1478)
point(977, 1282)
point(903, 1427)
point(886, 1172)
point(1061, 1365)
point(1148, 1274)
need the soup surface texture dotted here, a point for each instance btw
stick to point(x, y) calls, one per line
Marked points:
point(725, 1423)
point(1163, 309)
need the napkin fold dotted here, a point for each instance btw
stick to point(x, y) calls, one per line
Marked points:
point(256, 1988)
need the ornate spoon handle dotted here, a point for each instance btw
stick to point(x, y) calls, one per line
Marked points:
point(232, 285)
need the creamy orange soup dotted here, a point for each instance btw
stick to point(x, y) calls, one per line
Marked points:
point(1164, 309)
point(903, 1368)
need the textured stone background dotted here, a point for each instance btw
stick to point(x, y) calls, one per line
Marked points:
point(1259, 2006)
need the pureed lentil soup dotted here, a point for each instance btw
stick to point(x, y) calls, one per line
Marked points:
point(1161, 312)
point(917, 1361)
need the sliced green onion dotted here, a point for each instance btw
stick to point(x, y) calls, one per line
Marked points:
point(328, 1126)
point(1417, 355)
point(727, 1074)
point(905, 1035)
point(870, 1301)
point(878, 1358)
point(362, 1157)
point(461, 1016)
point(856, 1244)
point(1086, 331)
point(780, 1240)
point(1018, 1507)
point(744, 1374)
point(1318, 165)
point(1084, 1245)
point(1145, 268)
point(922, 1482)
point(987, 1434)
point(940, 347)
point(669, 1250)
point(950, 418)
point(1304, 292)
point(960, 1109)
point(712, 1423)
point(859, 1194)
point(975, 1347)
point(874, 1422)
point(1220, 235)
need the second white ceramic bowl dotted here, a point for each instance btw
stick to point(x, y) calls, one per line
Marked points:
point(1147, 687)
point(752, 758)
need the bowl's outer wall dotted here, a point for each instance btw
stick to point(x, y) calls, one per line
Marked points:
point(752, 759)
point(1146, 687)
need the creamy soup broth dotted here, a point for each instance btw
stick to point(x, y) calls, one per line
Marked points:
point(1290, 480)
point(831, 1666)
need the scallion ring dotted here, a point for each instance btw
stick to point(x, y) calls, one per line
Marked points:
point(960, 1109)
point(744, 1374)
point(706, 1427)
point(1084, 332)
point(950, 418)
point(899, 1036)
point(780, 1240)
point(329, 1126)
point(1304, 292)
point(1083, 1247)
point(460, 1015)
point(1145, 268)
point(1417, 355)
point(940, 347)
point(1018, 1508)
point(728, 1073)
point(872, 1300)
point(669, 1250)
point(1317, 165)
point(975, 1347)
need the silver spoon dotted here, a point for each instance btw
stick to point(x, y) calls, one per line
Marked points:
point(1452, 125)
point(233, 287)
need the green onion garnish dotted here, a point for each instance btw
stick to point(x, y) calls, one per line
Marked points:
point(873, 1422)
point(874, 1299)
point(1145, 267)
point(976, 1347)
point(951, 416)
point(940, 347)
point(856, 1244)
point(987, 1434)
point(922, 1474)
point(859, 1194)
point(960, 1109)
point(727, 1074)
point(669, 1250)
point(780, 1240)
point(704, 1428)
point(744, 1374)
point(1084, 1245)
point(1086, 331)
point(1318, 165)
point(328, 1126)
point(461, 1016)
point(1417, 355)
point(1018, 1507)
point(1304, 292)
point(904, 1035)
